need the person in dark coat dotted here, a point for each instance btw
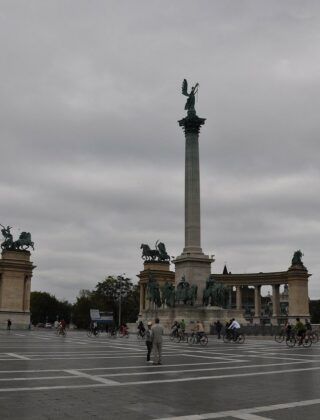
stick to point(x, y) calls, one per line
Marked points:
point(218, 329)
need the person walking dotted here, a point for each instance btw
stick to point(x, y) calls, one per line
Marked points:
point(218, 329)
point(148, 334)
point(157, 333)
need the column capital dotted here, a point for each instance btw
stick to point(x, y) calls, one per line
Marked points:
point(191, 123)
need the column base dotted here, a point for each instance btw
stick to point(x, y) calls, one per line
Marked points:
point(196, 267)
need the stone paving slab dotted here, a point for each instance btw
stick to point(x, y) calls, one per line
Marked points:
point(50, 377)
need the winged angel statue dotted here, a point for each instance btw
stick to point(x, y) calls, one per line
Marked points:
point(189, 106)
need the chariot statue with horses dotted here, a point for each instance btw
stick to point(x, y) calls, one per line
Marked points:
point(21, 244)
point(157, 254)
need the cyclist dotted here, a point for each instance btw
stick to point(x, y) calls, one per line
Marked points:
point(234, 326)
point(175, 328)
point(300, 329)
point(308, 325)
point(199, 330)
point(62, 326)
point(183, 325)
point(141, 329)
point(124, 329)
point(287, 329)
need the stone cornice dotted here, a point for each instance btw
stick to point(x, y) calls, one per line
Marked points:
point(192, 123)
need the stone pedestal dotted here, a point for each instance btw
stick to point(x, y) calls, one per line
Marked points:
point(191, 314)
point(196, 268)
point(298, 292)
point(160, 272)
point(15, 284)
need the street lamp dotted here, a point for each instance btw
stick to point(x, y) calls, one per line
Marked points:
point(121, 291)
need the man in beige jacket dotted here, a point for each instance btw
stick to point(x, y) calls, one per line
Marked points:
point(157, 333)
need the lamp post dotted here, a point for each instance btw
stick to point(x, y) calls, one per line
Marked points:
point(122, 291)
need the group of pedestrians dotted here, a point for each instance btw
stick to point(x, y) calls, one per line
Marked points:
point(154, 336)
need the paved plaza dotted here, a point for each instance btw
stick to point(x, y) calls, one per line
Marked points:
point(43, 376)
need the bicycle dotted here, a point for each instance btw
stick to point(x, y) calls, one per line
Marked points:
point(93, 333)
point(303, 340)
point(174, 336)
point(228, 337)
point(196, 338)
point(314, 336)
point(60, 331)
point(113, 333)
point(140, 334)
point(183, 336)
point(279, 338)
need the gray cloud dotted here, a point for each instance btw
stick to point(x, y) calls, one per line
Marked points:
point(92, 155)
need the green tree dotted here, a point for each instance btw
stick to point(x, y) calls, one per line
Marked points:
point(81, 309)
point(116, 291)
point(45, 308)
point(314, 308)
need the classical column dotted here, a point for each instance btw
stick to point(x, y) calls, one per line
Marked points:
point(141, 298)
point(230, 296)
point(276, 300)
point(257, 301)
point(191, 125)
point(239, 297)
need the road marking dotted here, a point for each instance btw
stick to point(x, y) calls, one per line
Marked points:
point(155, 370)
point(236, 375)
point(36, 378)
point(107, 383)
point(91, 377)
point(18, 356)
point(248, 416)
point(246, 411)
point(116, 367)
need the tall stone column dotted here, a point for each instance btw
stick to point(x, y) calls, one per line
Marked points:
point(275, 300)
point(192, 263)
point(239, 297)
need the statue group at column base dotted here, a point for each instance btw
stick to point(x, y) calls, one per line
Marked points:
point(191, 314)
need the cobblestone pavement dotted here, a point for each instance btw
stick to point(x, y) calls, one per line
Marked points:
point(43, 376)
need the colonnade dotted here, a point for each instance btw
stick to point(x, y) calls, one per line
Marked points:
point(257, 299)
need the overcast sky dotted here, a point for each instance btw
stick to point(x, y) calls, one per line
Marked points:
point(92, 160)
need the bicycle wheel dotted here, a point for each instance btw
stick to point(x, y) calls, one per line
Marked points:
point(204, 340)
point(177, 338)
point(226, 338)
point(89, 333)
point(172, 336)
point(314, 337)
point(291, 341)
point(279, 338)
point(306, 342)
point(241, 339)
